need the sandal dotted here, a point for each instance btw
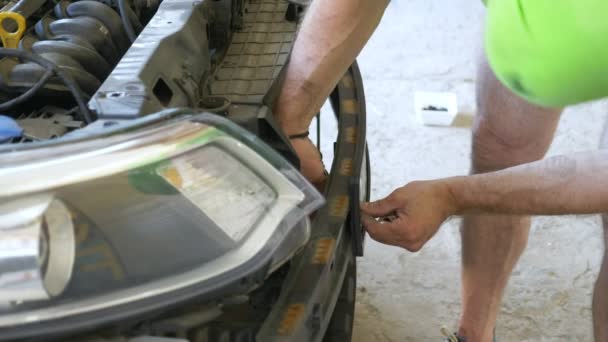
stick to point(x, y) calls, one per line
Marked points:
point(454, 337)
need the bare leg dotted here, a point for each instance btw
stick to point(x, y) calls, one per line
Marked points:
point(508, 131)
point(331, 36)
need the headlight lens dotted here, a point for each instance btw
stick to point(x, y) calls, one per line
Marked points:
point(232, 196)
point(191, 204)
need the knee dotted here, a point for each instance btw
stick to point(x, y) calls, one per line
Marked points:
point(508, 130)
point(493, 149)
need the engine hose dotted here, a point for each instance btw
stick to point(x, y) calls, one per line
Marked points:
point(134, 20)
point(85, 41)
point(28, 94)
point(69, 82)
point(126, 21)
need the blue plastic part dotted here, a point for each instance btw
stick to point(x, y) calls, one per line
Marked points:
point(9, 129)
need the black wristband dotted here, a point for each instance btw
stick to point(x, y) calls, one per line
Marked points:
point(300, 136)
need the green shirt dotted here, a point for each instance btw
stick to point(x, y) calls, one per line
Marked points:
point(551, 52)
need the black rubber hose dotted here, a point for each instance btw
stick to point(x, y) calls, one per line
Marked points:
point(65, 78)
point(126, 21)
point(134, 20)
point(28, 94)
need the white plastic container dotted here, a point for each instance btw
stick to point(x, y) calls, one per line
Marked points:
point(436, 108)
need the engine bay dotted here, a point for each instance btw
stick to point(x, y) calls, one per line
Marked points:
point(66, 64)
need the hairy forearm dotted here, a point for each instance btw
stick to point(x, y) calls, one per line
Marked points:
point(331, 36)
point(568, 184)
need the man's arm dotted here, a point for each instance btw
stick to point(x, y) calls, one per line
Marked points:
point(570, 184)
point(331, 36)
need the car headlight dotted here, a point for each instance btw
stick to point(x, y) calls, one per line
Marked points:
point(37, 248)
point(141, 218)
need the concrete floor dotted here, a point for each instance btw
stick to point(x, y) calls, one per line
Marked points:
point(431, 45)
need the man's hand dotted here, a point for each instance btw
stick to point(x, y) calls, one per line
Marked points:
point(409, 216)
point(311, 165)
